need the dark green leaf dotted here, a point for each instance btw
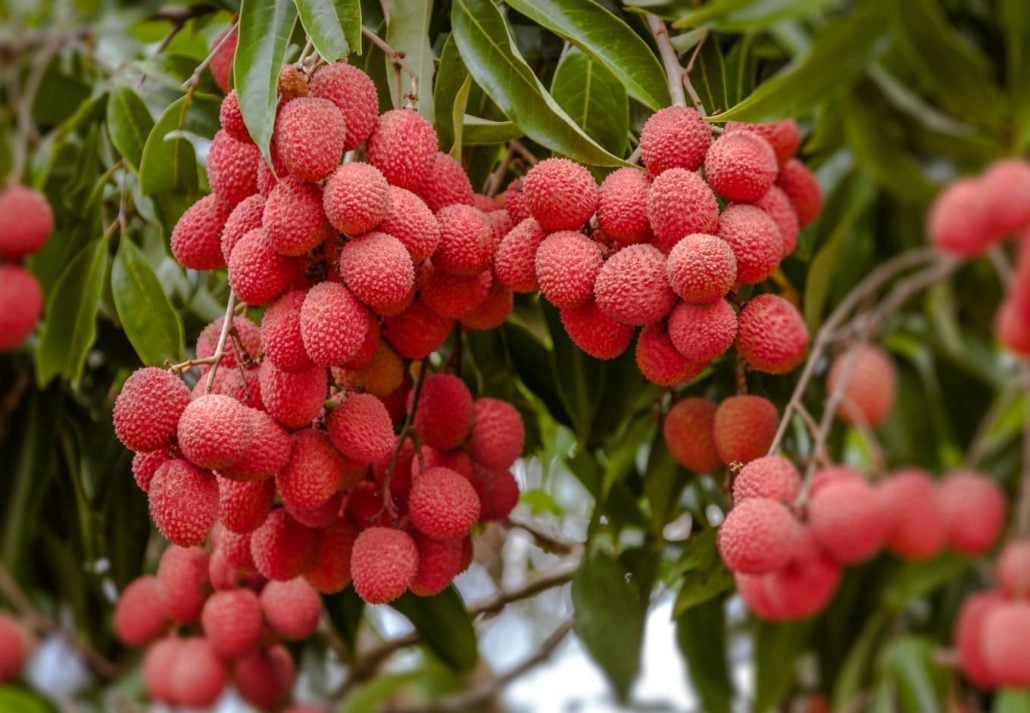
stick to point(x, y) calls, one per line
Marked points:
point(607, 40)
point(168, 163)
point(1015, 21)
point(580, 378)
point(1011, 702)
point(911, 664)
point(334, 26)
point(533, 363)
point(777, 647)
point(461, 100)
point(595, 100)
point(18, 700)
point(484, 40)
point(407, 31)
point(450, 78)
point(265, 29)
point(345, 610)
point(851, 679)
point(129, 124)
point(444, 625)
point(599, 589)
point(917, 579)
point(703, 573)
point(149, 321)
point(701, 636)
point(663, 482)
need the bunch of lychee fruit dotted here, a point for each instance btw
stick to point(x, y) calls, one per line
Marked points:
point(26, 224)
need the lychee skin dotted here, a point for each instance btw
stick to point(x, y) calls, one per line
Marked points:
point(22, 300)
point(957, 223)
point(243, 506)
point(969, 637)
point(378, 270)
point(309, 137)
point(293, 399)
point(974, 511)
point(783, 136)
point(515, 260)
point(314, 472)
point(282, 548)
point(264, 678)
point(292, 609)
point(802, 188)
point(848, 521)
point(145, 464)
point(515, 201)
point(492, 311)
point(182, 572)
point(439, 562)
point(915, 523)
point(498, 493)
point(659, 361)
point(772, 477)
point(1013, 569)
point(465, 247)
point(446, 184)
point(1006, 196)
point(381, 378)
point(702, 332)
point(330, 572)
point(403, 146)
point(333, 324)
point(776, 203)
point(384, 562)
point(771, 334)
point(674, 137)
point(561, 194)
point(1006, 628)
point(214, 431)
point(754, 239)
point(232, 622)
point(632, 287)
point(361, 429)
point(220, 65)
point(417, 331)
point(232, 168)
point(757, 536)
point(293, 217)
point(452, 296)
point(281, 340)
point(147, 410)
point(410, 221)
point(803, 587)
point(196, 237)
point(198, 676)
point(443, 504)
point(740, 166)
point(138, 617)
point(231, 118)
point(622, 206)
point(744, 428)
point(567, 265)
point(1011, 327)
point(869, 394)
point(356, 198)
point(678, 204)
point(595, 332)
point(13, 648)
point(247, 335)
point(354, 94)
point(28, 222)
point(832, 474)
point(257, 273)
point(701, 268)
point(689, 435)
point(183, 502)
point(445, 412)
point(498, 433)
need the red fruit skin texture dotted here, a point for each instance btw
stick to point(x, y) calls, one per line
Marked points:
point(282, 548)
point(410, 221)
point(561, 194)
point(138, 616)
point(14, 647)
point(309, 137)
point(232, 622)
point(740, 166)
point(783, 136)
point(356, 198)
point(701, 268)
point(417, 332)
point(915, 523)
point(215, 431)
point(498, 493)
point(802, 187)
point(293, 217)
point(231, 118)
point(771, 334)
point(333, 324)
point(145, 464)
point(595, 332)
point(465, 247)
point(567, 265)
point(247, 335)
point(267, 453)
point(318, 516)
point(361, 429)
point(833, 474)
point(957, 223)
point(445, 412)
point(492, 311)
point(498, 434)
point(457, 460)
point(264, 678)
point(777, 205)
point(224, 50)
point(28, 222)
point(796, 591)
point(293, 399)
point(232, 168)
point(281, 340)
point(292, 609)
point(182, 573)
point(330, 572)
point(1006, 629)
point(446, 184)
point(452, 296)
point(147, 410)
point(243, 506)
point(354, 94)
point(384, 562)
point(969, 637)
point(869, 394)
point(744, 428)
point(515, 260)
point(196, 237)
point(689, 435)
point(1011, 327)
point(974, 511)
point(314, 472)
point(702, 332)
point(378, 270)
point(848, 521)
point(257, 273)
point(622, 206)
point(759, 535)
point(680, 203)
point(183, 502)
point(1013, 569)
point(755, 240)
point(1006, 196)
point(515, 201)
point(198, 676)
point(443, 504)
point(632, 286)
point(22, 300)
point(659, 361)
point(674, 137)
point(403, 146)
point(772, 477)
point(439, 562)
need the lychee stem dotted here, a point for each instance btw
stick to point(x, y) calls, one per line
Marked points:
point(193, 81)
point(670, 60)
point(396, 58)
point(406, 431)
point(220, 348)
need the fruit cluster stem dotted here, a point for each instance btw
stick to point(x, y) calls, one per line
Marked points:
point(670, 60)
point(216, 358)
point(396, 58)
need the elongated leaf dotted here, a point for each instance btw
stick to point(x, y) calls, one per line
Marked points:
point(334, 26)
point(851, 679)
point(407, 31)
point(484, 40)
point(151, 324)
point(703, 573)
point(71, 315)
point(129, 124)
point(580, 378)
point(444, 624)
point(450, 78)
point(837, 57)
point(265, 29)
point(168, 162)
point(747, 15)
point(461, 100)
point(607, 40)
point(919, 681)
point(777, 647)
point(479, 132)
point(1015, 20)
point(701, 636)
point(376, 693)
point(595, 100)
point(599, 589)
point(1011, 702)
point(917, 579)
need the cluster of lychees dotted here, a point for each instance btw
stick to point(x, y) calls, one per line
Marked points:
point(27, 223)
point(653, 249)
point(971, 216)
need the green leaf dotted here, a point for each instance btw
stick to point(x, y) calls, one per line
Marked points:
point(748, 15)
point(1011, 702)
point(485, 42)
point(607, 40)
point(71, 315)
point(579, 378)
point(1015, 21)
point(129, 124)
point(777, 647)
point(911, 664)
point(479, 132)
point(701, 572)
point(331, 25)
point(374, 695)
point(461, 100)
point(595, 100)
point(407, 31)
point(450, 78)
point(663, 482)
point(851, 678)
point(19, 700)
point(444, 625)
point(168, 163)
point(151, 324)
point(701, 636)
point(265, 29)
point(917, 579)
point(838, 56)
point(600, 588)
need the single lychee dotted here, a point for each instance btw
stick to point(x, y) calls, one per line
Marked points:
point(561, 194)
point(848, 520)
point(360, 427)
point(21, 299)
point(622, 206)
point(183, 502)
point(384, 562)
point(740, 166)
point(701, 268)
point(293, 217)
point(802, 187)
point(410, 221)
point(356, 198)
point(446, 184)
point(567, 265)
point(232, 168)
point(498, 433)
point(915, 523)
point(293, 399)
point(674, 137)
point(196, 237)
point(701, 332)
point(974, 511)
point(768, 477)
point(292, 609)
point(465, 246)
point(354, 94)
point(309, 137)
point(378, 270)
point(283, 548)
point(232, 622)
point(689, 435)
point(445, 411)
point(658, 359)
point(417, 331)
point(771, 334)
point(595, 332)
point(515, 260)
point(744, 428)
point(632, 286)
point(443, 504)
point(138, 616)
point(314, 472)
point(678, 204)
point(758, 535)
point(333, 324)
point(28, 222)
point(403, 146)
point(867, 396)
point(147, 410)
point(754, 239)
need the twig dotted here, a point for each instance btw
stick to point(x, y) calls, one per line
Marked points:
point(545, 540)
point(189, 364)
point(670, 61)
point(523, 152)
point(396, 58)
point(493, 181)
point(220, 347)
point(407, 431)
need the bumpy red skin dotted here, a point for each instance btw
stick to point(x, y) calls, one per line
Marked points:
point(214, 431)
point(869, 394)
point(674, 137)
point(561, 194)
point(321, 515)
point(445, 412)
point(833, 474)
point(776, 203)
point(22, 300)
point(957, 223)
point(771, 334)
point(378, 270)
point(282, 548)
point(1006, 196)
point(356, 198)
point(231, 118)
point(915, 523)
point(1006, 629)
point(783, 136)
point(702, 332)
point(293, 399)
point(232, 622)
point(293, 217)
point(138, 616)
point(281, 341)
point(632, 286)
point(439, 562)
point(740, 166)
point(701, 268)
point(594, 332)
point(361, 429)
point(848, 521)
point(446, 184)
point(744, 428)
point(968, 637)
point(246, 216)
point(1012, 326)
point(145, 464)
point(465, 246)
point(689, 435)
point(515, 201)
point(659, 360)
point(309, 137)
point(264, 678)
point(28, 222)
point(974, 510)
point(678, 204)
point(232, 168)
point(182, 572)
point(622, 206)
point(417, 332)
point(292, 609)
point(803, 189)
point(456, 459)
point(443, 504)
point(257, 273)
point(381, 378)
point(220, 65)
point(146, 412)
point(403, 146)
point(330, 572)
point(314, 472)
point(246, 335)
point(492, 311)
point(754, 239)
point(333, 324)
point(354, 94)
point(498, 493)
point(183, 502)
point(384, 562)
point(196, 237)
point(452, 296)
point(768, 477)
point(158, 664)
point(198, 676)
point(567, 265)
point(1013, 569)
point(497, 435)
point(759, 535)
point(515, 259)
point(410, 221)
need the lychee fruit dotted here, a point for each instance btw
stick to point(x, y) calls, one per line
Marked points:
point(758, 535)
point(410, 221)
point(443, 504)
point(515, 260)
point(147, 410)
point(403, 146)
point(969, 637)
point(659, 361)
point(848, 520)
point(196, 237)
point(674, 137)
point(678, 204)
point(242, 346)
point(446, 184)
point(1013, 569)
point(701, 268)
point(13, 648)
point(293, 399)
point(264, 677)
point(182, 573)
point(292, 608)
point(561, 194)
point(293, 217)
point(314, 472)
point(754, 239)
point(356, 198)
point(417, 331)
point(378, 270)
point(309, 137)
point(360, 427)
point(803, 189)
point(974, 511)
point(1006, 197)
point(222, 57)
point(452, 296)
point(1006, 628)
point(567, 265)
point(915, 524)
point(768, 477)
point(232, 168)
point(354, 94)
point(333, 324)
point(145, 464)
point(384, 563)
point(798, 590)
point(740, 166)
point(198, 676)
point(439, 562)
point(22, 300)
point(183, 502)
point(138, 616)
point(744, 428)
point(622, 206)
point(257, 273)
point(465, 246)
point(632, 287)
point(515, 201)
point(243, 506)
point(783, 136)
point(498, 433)
point(689, 432)
point(232, 622)
point(595, 332)
point(868, 395)
point(445, 411)
point(231, 118)
point(214, 431)
point(498, 493)
point(701, 332)
point(771, 334)
point(28, 222)
point(492, 311)
point(283, 548)
point(776, 203)
point(330, 572)
point(281, 340)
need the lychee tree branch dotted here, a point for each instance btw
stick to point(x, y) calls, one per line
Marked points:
point(671, 62)
point(216, 358)
point(396, 58)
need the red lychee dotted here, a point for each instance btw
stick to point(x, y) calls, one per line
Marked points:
point(740, 166)
point(561, 194)
point(384, 562)
point(674, 137)
point(759, 535)
point(309, 137)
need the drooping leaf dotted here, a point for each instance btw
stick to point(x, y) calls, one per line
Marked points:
point(701, 637)
point(407, 31)
point(1015, 20)
point(168, 163)
point(151, 324)
point(444, 625)
point(777, 647)
point(746, 15)
point(1011, 702)
point(921, 684)
point(461, 100)
point(128, 124)
point(334, 26)
point(450, 78)
point(701, 572)
point(595, 100)
point(479, 132)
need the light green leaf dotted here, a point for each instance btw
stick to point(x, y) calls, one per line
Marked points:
point(407, 31)
point(151, 324)
point(461, 100)
point(375, 694)
point(777, 647)
point(168, 162)
point(479, 132)
point(450, 78)
point(748, 15)
point(594, 98)
point(1011, 702)
point(910, 663)
point(18, 700)
point(334, 26)
point(129, 124)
